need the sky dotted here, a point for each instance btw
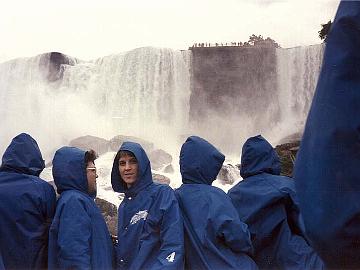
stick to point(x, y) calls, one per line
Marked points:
point(89, 29)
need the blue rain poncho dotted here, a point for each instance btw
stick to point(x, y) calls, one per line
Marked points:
point(267, 202)
point(27, 206)
point(215, 237)
point(150, 228)
point(327, 169)
point(78, 237)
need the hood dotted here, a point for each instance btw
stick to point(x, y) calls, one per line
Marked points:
point(258, 156)
point(23, 155)
point(200, 161)
point(69, 170)
point(144, 174)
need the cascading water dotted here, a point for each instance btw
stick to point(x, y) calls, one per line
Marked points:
point(143, 93)
point(146, 93)
point(297, 73)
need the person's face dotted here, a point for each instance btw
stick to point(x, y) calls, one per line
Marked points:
point(91, 177)
point(128, 169)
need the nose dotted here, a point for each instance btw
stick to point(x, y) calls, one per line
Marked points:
point(127, 166)
point(96, 176)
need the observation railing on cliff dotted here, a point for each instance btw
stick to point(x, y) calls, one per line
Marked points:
point(263, 43)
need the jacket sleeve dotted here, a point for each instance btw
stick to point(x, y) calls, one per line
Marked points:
point(171, 253)
point(327, 170)
point(74, 236)
point(228, 225)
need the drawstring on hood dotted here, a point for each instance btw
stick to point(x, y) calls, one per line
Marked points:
point(258, 156)
point(144, 173)
point(200, 162)
point(23, 156)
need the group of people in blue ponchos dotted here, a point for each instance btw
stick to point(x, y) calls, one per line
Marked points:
point(266, 221)
point(197, 226)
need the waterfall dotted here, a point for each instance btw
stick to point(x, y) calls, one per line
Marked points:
point(144, 92)
point(297, 74)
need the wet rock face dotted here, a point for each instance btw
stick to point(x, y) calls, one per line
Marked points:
point(159, 158)
point(55, 63)
point(110, 214)
point(228, 174)
point(161, 179)
point(88, 142)
point(116, 142)
point(287, 154)
point(169, 169)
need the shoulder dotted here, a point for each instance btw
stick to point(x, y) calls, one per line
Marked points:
point(159, 190)
point(75, 198)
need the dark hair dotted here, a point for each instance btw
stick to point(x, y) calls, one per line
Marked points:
point(123, 153)
point(90, 156)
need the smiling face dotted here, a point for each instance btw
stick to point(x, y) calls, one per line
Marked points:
point(128, 168)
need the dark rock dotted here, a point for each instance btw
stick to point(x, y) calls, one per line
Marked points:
point(116, 142)
point(110, 214)
point(169, 169)
point(88, 142)
point(54, 64)
point(228, 174)
point(291, 138)
point(161, 179)
point(287, 154)
point(159, 158)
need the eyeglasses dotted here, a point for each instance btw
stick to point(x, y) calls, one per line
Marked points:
point(93, 169)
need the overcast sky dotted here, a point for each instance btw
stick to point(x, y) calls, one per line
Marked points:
point(88, 29)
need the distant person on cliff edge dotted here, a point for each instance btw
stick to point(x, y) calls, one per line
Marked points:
point(150, 228)
point(327, 168)
point(27, 206)
point(78, 237)
point(215, 237)
point(267, 202)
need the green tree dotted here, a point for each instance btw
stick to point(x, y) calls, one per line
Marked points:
point(325, 28)
point(255, 40)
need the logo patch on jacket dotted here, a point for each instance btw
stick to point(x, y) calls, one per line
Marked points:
point(138, 216)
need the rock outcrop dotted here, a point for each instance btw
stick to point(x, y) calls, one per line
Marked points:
point(159, 158)
point(110, 214)
point(287, 153)
point(118, 140)
point(228, 174)
point(87, 142)
point(161, 179)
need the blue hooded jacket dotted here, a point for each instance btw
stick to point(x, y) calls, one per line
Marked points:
point(27, 206)
point(267, 202)
point(2, 267)
point(150, 228)
point(327, 169)
point(215, 238)
point(78, 237)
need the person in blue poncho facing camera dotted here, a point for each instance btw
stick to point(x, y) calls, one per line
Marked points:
point(78, 237)
point(215, 237)
point(267, 202)
point(150, 228)
point(327, 168)
point(27, 206)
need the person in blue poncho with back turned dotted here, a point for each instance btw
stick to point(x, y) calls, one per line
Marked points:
point(78, 237)
point(267, 202)
point(327, 169)
point(215, 237)
point(150, 228)
point(27, 206)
